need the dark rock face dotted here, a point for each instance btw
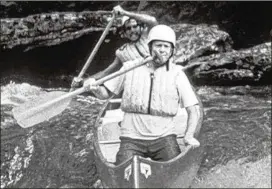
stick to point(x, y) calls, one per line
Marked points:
point(66, 25)
point(248, 23)
point(51, 29)
point(199, 40)
point(248, 66)
point(208, 51)
point(19, 9)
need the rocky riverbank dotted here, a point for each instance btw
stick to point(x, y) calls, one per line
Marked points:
point(38, 39)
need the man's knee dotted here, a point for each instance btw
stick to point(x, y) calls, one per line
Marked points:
point(170, 148)
point(127, 150)
point(122, 156)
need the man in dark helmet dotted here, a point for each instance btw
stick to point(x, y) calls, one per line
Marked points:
point(152, 95)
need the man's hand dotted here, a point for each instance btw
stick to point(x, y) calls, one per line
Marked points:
point(118, 10)
point(157, 57)
point(90, 84)
point(99, 91)
point(191, 141)
point(77, 82)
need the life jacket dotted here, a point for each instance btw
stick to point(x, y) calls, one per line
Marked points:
point(133, 50)
point(154, 94)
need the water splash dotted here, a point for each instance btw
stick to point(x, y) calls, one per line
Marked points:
point(53, 153)
point(59, 153)
point(18, 93)
point(16, 162)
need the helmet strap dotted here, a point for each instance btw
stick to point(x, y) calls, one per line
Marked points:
point(167, 65)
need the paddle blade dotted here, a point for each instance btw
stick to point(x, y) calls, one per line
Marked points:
point(28, 114)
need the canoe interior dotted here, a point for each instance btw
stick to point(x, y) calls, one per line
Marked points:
point(140, 172)
point(109, 130)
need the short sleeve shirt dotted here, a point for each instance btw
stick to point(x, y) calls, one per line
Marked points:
point(150, 127)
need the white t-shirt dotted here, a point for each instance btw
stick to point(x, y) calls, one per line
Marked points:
point(150, 127)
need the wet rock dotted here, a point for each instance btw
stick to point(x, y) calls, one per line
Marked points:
point(247, 66)
point(199, 40)
point(248, 23)
point(49, 29)
point(208, 52)
point(16, 9)
point(57, 22)
point(234, 17)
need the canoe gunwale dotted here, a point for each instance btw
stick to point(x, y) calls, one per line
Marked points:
point(187, 149)
point(109, 172)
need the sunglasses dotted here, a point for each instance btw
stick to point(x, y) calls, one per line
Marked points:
point(130, 27)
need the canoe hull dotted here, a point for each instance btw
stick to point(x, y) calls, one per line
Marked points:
point(139, 172)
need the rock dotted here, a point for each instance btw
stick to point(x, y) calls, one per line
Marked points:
point(16, 9)
point(243, 66)
point(238, 19)
point(207, 51)
point(198, 40)
point(211, 44)
point(49, 29)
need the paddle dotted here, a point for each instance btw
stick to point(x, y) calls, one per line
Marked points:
point(44, 108)
point(22, 111)
point(89, 60)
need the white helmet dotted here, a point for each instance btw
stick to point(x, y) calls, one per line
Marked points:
point(162, 33)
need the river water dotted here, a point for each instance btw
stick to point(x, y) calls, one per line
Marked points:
point(59, 152)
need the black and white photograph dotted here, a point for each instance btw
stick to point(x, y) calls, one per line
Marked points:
point(135, 94)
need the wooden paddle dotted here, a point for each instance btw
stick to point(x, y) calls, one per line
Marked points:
point(52, 104)
point(89, 60)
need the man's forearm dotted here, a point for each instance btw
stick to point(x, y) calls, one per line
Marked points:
point(193, 117)
point(101, 92)
point(150, 20)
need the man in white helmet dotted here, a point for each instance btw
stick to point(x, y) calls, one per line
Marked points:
point(152, 95)
point(135, 28)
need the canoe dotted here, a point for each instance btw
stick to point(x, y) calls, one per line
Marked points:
point(140, 172)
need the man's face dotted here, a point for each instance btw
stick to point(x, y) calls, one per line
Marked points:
point(164, 52)
point(132, 30)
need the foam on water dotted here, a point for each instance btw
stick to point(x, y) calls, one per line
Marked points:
point(17, 93)
point(59, 152)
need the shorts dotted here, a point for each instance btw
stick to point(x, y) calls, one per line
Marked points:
point(162, 149)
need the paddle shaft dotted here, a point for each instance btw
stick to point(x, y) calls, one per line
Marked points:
point(85, 89)
point(120, 72)
point(96, 48)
